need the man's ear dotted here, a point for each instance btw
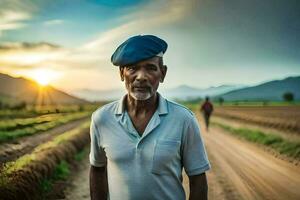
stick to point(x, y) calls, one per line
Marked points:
point(164, 72)
point(121, 70)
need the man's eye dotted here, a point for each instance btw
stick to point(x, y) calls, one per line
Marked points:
point(153, 68)
point(130, 68)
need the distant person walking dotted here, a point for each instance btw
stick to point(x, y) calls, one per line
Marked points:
point(207, 108)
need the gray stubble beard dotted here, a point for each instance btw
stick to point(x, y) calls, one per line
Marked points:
point(141, 96)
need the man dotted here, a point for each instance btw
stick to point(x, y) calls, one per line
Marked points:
point(140, 143)
point(207, 108)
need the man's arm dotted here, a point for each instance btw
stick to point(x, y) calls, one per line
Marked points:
point(198, 187)
point(98, 183)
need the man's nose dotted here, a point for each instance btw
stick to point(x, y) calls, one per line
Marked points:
point(141, 75)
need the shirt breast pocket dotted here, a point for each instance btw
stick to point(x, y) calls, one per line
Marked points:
point(166, 156)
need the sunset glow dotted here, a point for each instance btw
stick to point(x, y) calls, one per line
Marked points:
point(43, 76)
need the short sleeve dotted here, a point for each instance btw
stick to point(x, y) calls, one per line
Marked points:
point(195, 159)
point(97, 154)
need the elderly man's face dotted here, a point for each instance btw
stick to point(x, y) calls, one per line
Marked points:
point(142, 79)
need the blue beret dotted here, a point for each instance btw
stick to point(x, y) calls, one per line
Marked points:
point(138, 48)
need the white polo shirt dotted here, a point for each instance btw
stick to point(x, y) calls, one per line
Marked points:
point(147, 166)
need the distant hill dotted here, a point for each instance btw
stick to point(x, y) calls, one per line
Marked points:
point(99, 95)
point(182, 92)
point(271, 91)
point(21, 89)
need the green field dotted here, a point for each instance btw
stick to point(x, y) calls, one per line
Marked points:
point(19, 123)
point(196, 105)
point(289, 148)
point(33, 111)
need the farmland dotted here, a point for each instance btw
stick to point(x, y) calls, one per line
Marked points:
point(39, 162)
point(24, 176)
point(11, 129)
point(235, 153)
point(285, 118)
point(275, 126)
point(34, 142)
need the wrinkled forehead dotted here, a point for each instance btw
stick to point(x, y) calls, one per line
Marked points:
point(154, 61)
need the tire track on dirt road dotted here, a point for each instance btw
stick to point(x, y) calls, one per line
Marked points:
point(250, 172)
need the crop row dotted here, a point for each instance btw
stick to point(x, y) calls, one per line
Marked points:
point(22, 179)
point(47, 124)
point(12, 124)
point(33, 111)
point(285, 121)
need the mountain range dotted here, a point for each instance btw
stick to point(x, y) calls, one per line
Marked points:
point(182, 92)
point(13, 90)
point(271, 91)
point(21, 89)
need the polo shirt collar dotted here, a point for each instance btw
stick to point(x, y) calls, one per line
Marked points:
point(120, 108)
point(161, 109)
point(162, 105)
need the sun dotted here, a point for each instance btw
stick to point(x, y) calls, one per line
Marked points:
point(43, 76)
point(42, 79)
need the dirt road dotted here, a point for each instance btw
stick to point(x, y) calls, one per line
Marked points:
point(240, 170)
point(245, 171)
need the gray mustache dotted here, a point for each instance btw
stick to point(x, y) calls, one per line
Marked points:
point(141, 86)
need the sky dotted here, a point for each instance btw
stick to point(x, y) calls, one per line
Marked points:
point(210, 42)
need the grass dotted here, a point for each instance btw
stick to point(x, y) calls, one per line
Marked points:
point(46, 185)
point(62, 171)
point(259, 103)
point(13, 124)
point(289, 148)
point(192, 106)
point(80, 155)
point(34, 111)
point(196, 105)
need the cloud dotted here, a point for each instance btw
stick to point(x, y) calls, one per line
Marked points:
point(27, 56)
point(54, 22)
point(96, 53)
point(13, 46)
point(24, 54)
point(10, 20)
point(141, 21)
point(15, 13)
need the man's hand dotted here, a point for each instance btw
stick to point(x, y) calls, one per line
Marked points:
point(98, 183)
point(198, 187)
